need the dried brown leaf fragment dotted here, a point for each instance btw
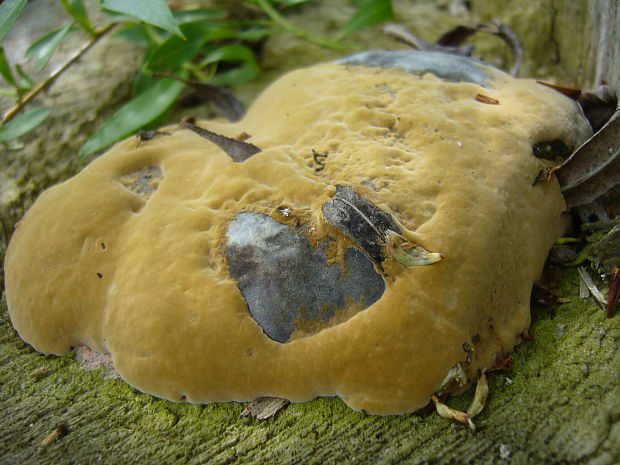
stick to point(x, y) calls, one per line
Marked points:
point(447, 412)
point(614, 293)
point(480, 396)
point(263, 408)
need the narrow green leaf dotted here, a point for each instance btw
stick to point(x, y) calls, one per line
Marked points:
point(175, 51)
point(200, 14)
point(134, 115)
point(134, 34)
point(23, 123)
point(26, 83)
point(155, 12)
point(236, 54)
point(286, 3)
point(44, 47)
point(77, 11)
point(9, 11)
point(8, 92)
point(5, 69)
point(257, 33)
point(370, 12)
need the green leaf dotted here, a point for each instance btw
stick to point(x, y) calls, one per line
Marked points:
point(370, 12)
point(5, 69)
point(9, 11)
point(286, 3)
point(78, 13)
point(23, 123)
point(257, 33)
point(134, 34)
point(200, 14)
point(237, 54)
point(44, 47)
point(155, 12)
point(26, 83)
point(134, 115)
point(8, 92)
point(175, 51)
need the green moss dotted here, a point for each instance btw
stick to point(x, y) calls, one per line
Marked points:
point(557, 404)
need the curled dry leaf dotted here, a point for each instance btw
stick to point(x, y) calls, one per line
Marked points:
point(476, 406)
point(374, 230)
point(446, 412)
point(480, 397)
point(407, 253)
point(594, 168)
point(599, 105)
point(360, 220)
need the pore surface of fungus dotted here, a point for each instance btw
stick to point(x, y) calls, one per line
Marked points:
point(287, 273)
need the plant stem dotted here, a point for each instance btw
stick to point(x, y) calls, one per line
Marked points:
point(12, 112)
point(287, 26)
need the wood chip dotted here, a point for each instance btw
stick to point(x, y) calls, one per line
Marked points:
point(264, 407)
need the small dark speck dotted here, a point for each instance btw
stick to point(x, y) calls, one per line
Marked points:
point(103, 245)
point(99, 275)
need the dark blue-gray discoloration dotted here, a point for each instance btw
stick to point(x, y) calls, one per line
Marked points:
point(283, 278)
point(452, 68)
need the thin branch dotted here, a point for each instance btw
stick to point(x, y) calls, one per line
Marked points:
point(12, 112)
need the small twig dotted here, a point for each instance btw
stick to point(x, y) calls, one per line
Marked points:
point(403, 35)
point(454, 46)
point(277, 18)
point(10, 114)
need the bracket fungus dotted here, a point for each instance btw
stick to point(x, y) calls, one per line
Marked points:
point(212, 277)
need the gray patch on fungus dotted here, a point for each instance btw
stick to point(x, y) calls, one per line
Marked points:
point(143, 182)
point(452, 68)
point(285, 280)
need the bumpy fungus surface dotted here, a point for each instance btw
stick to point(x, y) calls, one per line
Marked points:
point(142, 254)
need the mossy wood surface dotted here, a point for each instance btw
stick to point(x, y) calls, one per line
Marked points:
point(558, 404)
